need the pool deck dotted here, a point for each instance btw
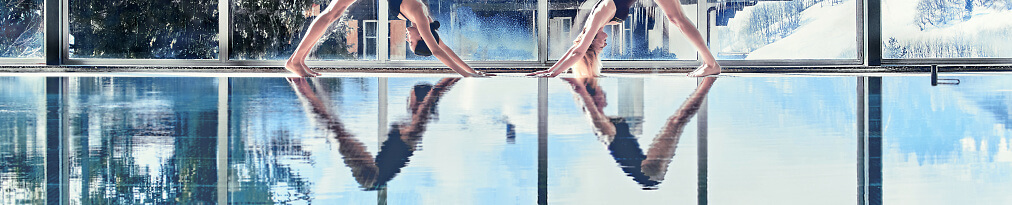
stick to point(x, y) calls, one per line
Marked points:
point(441, 75)
point(245, 71)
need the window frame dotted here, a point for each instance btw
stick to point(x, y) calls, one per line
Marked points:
point(867, 23)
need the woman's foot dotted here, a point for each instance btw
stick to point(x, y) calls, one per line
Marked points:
point(310, 71)
point(705, 70)
point(299, 69)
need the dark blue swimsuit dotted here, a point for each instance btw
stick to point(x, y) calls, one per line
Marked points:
point(394, 9)
point(622, 9)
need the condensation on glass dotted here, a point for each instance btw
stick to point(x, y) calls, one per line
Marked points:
point(23, 141)
point(770, 29)
point(142, 140)
point(21, 29)
point(646, 34)
point(272, 30)
point(946, 29)
point(496, 30)
point(143, 29)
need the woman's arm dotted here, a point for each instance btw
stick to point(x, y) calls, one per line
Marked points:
point(598, 18)
point(417, 15)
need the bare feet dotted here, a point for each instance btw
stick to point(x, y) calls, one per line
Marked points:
point(705, 70)
point(310, 71)
point(299, 69)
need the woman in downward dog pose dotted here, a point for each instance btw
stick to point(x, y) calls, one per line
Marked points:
point(421, 37)
point(611, 12)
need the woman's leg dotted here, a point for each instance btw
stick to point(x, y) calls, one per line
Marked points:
point(673, 9)
point(297, 62)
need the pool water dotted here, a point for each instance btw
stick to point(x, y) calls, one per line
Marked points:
point(430, 139)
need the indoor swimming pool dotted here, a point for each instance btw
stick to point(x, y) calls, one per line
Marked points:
point(434, 139)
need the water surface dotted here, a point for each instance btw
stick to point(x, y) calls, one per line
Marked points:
point(429, 140)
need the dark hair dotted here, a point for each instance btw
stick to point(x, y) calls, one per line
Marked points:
point(421, 48)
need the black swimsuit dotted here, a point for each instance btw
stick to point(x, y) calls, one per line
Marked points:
point(394, 9)
point(622, 9)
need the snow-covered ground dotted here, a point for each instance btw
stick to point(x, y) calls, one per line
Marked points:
point(829, 32)
point(826, 32)
point(988, 33)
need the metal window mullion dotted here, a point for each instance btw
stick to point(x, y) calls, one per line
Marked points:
point(948, 61)
point(542, 27)
point(873, 38)
point(861, 32)
point(382, 29)
point(224, 30)
point(53, 28)
point(64, 32)
point(22, 61)
point(224, 90)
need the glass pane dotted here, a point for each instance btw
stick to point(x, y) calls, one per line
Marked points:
point(22, 140)
point(144, 29)
point(142, 140)
point(947, 144)
point(946, 29)
point(22, 31)
point(797, 29)
point(646, 34)
point(272, 30)
point(477, 30)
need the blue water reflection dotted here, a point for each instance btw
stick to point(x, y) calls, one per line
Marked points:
point(141, 140)
point(22, 140)
point(947, 144)
point(431, 140)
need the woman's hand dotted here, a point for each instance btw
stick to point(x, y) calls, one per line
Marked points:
point(547, 73)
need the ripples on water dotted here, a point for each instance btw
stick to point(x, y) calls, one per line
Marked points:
point(618, 140)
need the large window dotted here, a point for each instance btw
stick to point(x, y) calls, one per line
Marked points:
point(500, 33)
point(646, 34)
point(143, 29)
point(487, 30)
point(946, 28)
point(21, 29)
point(798, 29)
point(271, 30)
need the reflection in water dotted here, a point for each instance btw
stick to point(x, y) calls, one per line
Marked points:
point(151, 141)
point(141, 140)
point(647, 170)
point(22, 146)
point(958, 149)
point(404, 136)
